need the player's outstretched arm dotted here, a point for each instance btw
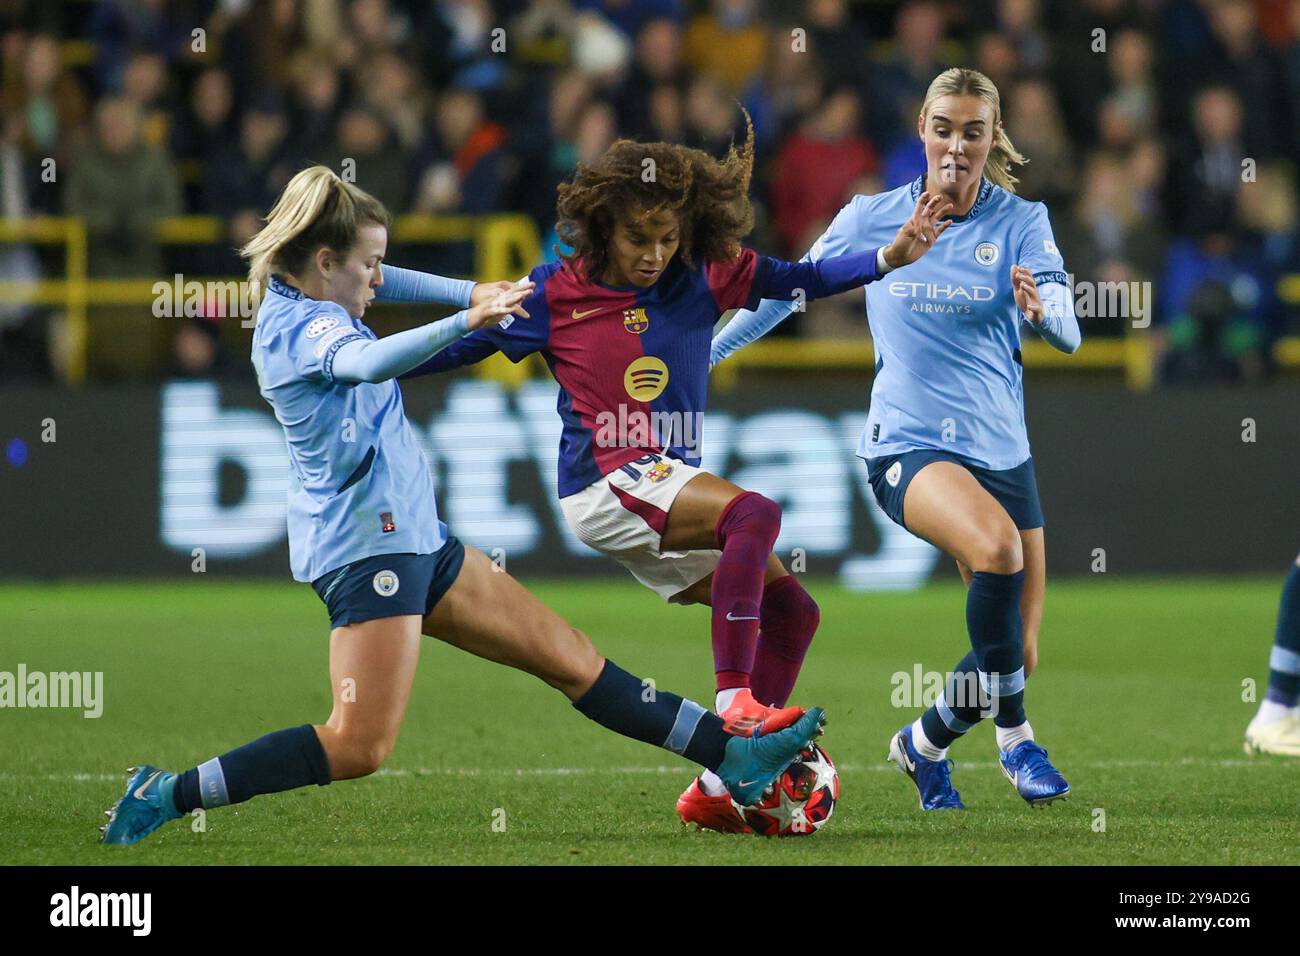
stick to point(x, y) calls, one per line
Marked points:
point(364, 360)
point(818, 274)
point(832, 275)
point(411, 285)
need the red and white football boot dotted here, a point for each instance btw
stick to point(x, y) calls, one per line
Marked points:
point(710, 813)
point(746, 715)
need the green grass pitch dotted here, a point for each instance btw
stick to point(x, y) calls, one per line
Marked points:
point(1138, 698)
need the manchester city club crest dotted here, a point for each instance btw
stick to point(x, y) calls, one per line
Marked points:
point(635, 320)
point(386, 583)
point(986, 253)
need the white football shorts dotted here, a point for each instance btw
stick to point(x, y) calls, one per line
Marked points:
point(624, 514)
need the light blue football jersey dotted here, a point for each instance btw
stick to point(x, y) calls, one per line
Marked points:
point(359, 482)
point(946, 328)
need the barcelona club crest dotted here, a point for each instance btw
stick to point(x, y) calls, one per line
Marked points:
point(660, 471)
point(635, 320)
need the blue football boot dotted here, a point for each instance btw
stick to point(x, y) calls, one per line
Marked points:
point(752, 763)
point(146, 805)
point(1026, 766)
point(933, 778)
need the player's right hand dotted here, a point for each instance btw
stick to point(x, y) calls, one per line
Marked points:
point(498, 305)
point(918, 235)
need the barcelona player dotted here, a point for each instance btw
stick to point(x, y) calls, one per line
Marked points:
point(624, 323)
point(364, 530)
point(945, 442)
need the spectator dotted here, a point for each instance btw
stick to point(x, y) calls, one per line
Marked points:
point(208, 125)
point(1020, 21)
point(122, 188)
point(905, 75)
point(1133, 88)
point(727, 44)
point(47, 97)
point(816, 169)
point(1267, 219)
point(996, 58)
point(1109, 231)
point(552, 155)
point(1040, 135)
point(390, 86)
point(144, 82)
point(657, 63)
point(317, 97)
point(1241, 60)
point(1203, 187)
point(790, 87)
point(464, 165)
point(242, 180)
point(629, 16)
point(837, 42)
point(710, 116)
point(21, 336)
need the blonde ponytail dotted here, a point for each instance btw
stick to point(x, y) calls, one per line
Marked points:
point(316, 208)
point(958, 82)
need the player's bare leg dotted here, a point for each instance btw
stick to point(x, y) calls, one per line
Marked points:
point(372, 668)
point(491, 615)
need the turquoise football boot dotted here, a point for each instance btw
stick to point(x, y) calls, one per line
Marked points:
point(752, 763)
point(146, 805)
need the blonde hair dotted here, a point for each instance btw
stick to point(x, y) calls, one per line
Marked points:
point(316, 208)
point(962, 82)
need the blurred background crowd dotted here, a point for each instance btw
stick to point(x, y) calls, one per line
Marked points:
point(1162, 134)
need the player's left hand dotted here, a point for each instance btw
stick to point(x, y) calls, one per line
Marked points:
point(1026, 292)
point(484, 291)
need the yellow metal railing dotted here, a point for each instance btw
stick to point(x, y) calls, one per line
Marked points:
point(508, 246)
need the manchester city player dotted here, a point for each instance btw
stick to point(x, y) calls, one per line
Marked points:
point(1275, 728)
point(625, 324)
point(945, 442)
point(364, 530)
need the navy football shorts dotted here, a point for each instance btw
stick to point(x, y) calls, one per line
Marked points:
point(1015, 489)
point(388, 585)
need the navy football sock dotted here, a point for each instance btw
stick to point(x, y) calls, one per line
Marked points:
point(1284, 662)
point(628, 706)
point(280, 761)
point(959, 708)
point(996, 636)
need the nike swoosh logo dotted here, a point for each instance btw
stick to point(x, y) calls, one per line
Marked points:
point(730, 618)
point(747, 783)
point(139, 791)
point(902, 752)
point(580, 315)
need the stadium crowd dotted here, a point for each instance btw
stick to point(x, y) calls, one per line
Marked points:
point(1163, 134)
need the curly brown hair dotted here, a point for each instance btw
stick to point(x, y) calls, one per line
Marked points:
point(710, 197)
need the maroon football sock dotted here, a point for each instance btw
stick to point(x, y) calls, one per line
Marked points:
point(746, 531)
point(788, 620)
